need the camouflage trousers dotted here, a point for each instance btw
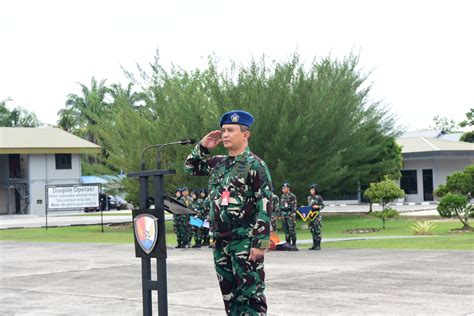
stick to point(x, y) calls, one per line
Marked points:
point(315, 227)
point(289, 228)
point(198, 233)
point(182, 228)
point(242, 282)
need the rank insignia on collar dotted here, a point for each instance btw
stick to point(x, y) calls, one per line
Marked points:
point(235, 118)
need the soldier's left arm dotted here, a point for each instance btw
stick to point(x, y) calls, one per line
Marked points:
point(261, 184)
point(295, 203)
point(321, 205)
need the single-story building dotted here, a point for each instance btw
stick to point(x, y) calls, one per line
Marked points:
point(427, 161)
point(30, 159)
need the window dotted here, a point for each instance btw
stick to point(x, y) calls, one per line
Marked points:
point(63, 161)
point(408, 182)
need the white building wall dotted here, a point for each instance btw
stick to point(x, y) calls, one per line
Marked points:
point(43, 172)
point(446, 167)
point(442, 168)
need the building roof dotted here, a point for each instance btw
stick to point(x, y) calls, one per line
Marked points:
point(433, 133)
point(435, 146)
point(28, 140)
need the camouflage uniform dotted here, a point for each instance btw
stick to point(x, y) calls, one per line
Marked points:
point(315, 225)
point(198, 232)
point(288, 206)
point(242, 224)
point(184, 228)
point(206, 237)
point(176, 222)
point(276, 211)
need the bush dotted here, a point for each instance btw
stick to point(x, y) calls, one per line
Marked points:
point(383, 192)
point(456, 204)
point(423, 228)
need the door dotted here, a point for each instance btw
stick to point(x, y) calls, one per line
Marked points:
point(14, 162)
point(428, 184)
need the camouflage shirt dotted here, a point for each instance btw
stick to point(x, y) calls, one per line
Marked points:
point(247, 179)
point(276, 205)
point(288, 202)
point(188, 201)
point(316, 200)
point(198, 206)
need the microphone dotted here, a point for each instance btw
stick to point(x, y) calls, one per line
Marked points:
point(160, 146)
point(188, 141)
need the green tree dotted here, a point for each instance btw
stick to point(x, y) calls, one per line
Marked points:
point(313, 124)
point(457, 205)
point(18, 117)
point(384, 192)
point(469, 121)
point(467, 137)
point(456, 195)
point(444, 124)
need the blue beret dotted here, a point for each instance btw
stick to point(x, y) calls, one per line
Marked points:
point(238, 117)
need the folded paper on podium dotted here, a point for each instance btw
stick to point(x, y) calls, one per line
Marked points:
point(174, 206)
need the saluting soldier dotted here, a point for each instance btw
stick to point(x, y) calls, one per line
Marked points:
point(240, 194)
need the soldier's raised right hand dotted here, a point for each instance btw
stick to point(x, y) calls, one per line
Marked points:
point(212, 139)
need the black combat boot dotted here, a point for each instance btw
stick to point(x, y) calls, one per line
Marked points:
point(318, 244)
point(197, 245)
point(288, 240)
point(314, 245)
point(179, 245)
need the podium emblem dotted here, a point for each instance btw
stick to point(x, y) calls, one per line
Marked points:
point(146, 231)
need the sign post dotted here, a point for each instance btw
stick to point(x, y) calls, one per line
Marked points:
point(71, 197)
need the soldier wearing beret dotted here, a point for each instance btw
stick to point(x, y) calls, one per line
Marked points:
point(240, 195)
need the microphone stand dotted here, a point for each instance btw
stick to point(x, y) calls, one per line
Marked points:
point(159, 251)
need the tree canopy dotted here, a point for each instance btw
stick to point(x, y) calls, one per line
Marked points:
point(313, 123)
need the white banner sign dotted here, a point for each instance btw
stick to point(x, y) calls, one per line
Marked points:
point(69, 197)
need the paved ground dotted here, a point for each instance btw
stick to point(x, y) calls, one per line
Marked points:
point(93, 279)
point(68, 218)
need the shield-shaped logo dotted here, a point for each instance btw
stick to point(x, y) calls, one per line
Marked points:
point(235, 118)
point(146, 231)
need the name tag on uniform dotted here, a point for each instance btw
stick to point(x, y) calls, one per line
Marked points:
point(225, 198)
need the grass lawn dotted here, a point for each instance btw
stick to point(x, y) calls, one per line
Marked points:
point(333, 227)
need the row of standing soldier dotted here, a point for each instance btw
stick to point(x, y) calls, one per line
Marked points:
point(285, 209)
point(181, 223)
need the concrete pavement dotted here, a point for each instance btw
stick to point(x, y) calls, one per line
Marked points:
point(96, 279)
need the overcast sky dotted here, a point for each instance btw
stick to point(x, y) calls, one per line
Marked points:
point(420, 53)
